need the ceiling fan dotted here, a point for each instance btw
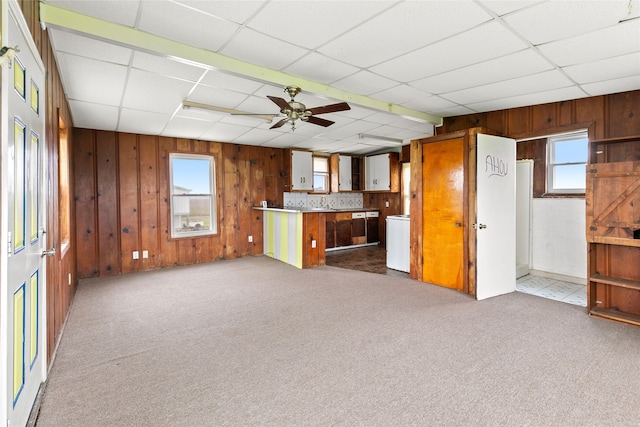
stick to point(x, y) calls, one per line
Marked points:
point(294, 110)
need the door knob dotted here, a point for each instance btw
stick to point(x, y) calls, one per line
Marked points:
point(49, 252)
point(458, 224)
point(479, 226)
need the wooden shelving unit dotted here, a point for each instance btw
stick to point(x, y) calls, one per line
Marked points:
point(613, 229)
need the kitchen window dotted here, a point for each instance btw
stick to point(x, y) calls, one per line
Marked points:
point(320, 174)
point(192, 182)
point(566, 165)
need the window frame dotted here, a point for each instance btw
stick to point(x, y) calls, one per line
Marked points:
point(213, 215)
point(326, 176)
point(550, 166)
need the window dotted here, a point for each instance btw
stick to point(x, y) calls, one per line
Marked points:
point(567, 159)
point(320, 174)
point(406, 188)
point(64, 201)
point(192, 190)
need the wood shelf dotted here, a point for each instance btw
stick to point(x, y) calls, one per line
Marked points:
point(612, 314)
point(615, 281)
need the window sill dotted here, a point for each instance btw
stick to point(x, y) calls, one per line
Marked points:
point(562, 196)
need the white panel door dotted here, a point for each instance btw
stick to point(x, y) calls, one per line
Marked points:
point(23, 211)
point(496, 216)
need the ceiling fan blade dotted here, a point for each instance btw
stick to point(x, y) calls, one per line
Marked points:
point(319, 121)
point(280, 123)
point(265, 116)
point(341, 106)
point(188, 105)
point(284, 105)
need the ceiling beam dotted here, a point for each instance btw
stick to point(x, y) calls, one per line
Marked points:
point(57, 17)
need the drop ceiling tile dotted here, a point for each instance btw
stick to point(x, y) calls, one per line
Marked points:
point(153, 92)
point(256, 136)
point(458, 110)
point(482, 43)
point(316, 144)
point(167, 67)
point(144, 122)
point(223, 132)
point(184, 127)
point(403, 28)
point(320, 68)
point(287, 139)
point(248, 121)
point(430, 104)
point(502, 7)
point(216, 96)
point(258, 105)
point(310, 24)
point(193, 28)
point(78, 45)
point(119, 11)
point(348, 131)
point(251, 46)
point(93, 116)
point(231, 82)
point(90, 80)
point(540, 82)
point(613, 86)
point(557, 20)
point(562, 94)
point(364, 83)
point(610, 69)
point(400, 94)
point(235, 11)
point(605, 43)
point(510, 66)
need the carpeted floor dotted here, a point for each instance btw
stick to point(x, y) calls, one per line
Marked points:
point(256, 342)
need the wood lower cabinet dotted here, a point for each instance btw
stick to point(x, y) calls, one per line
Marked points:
point(613, 231)
point(343, 229)
point(330, 240)
point(373, 233)
point(358, 228)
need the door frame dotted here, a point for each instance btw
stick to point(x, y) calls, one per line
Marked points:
point(470, 204)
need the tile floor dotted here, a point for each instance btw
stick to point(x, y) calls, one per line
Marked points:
point(570, 293)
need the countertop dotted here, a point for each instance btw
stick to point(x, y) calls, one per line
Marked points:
point(312, 210)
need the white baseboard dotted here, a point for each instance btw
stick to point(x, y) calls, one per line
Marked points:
point(564, 278)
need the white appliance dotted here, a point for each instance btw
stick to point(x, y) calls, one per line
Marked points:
point(398, 242)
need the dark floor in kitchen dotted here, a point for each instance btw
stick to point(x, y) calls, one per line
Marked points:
point(369, 258)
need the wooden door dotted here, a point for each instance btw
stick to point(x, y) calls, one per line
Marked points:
point(443, 186)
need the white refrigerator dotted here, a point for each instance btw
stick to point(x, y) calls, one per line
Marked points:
point(398, 242)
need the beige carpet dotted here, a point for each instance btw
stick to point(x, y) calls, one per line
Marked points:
point(253, 342)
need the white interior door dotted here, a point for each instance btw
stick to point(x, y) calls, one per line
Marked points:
point(23, 212)
point(496, 216)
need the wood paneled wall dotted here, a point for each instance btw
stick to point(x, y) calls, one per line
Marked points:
point(62, 267)
point(606, 116)
point(122, 201)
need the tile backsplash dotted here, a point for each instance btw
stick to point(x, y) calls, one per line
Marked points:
point(332, 200)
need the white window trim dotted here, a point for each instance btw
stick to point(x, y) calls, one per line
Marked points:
point(550, 166)
point(213, 214)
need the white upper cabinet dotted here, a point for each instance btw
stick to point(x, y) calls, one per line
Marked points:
point(377, 172)
point(301, 170)
point(344, 173)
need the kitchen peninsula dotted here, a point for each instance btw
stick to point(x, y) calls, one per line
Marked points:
point(298, 236)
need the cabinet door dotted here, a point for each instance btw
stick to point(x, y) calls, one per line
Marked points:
point(344, 173)
point(373, 235)
point(358, 231)
point(343, 233)
point(301, 170)
point(377, 172)
point(330, 234)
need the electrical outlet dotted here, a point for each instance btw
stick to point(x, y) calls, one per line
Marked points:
point(145, 254)
point(386, 203)
point(136, 255)
point(313, 243)
point(250, 239)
